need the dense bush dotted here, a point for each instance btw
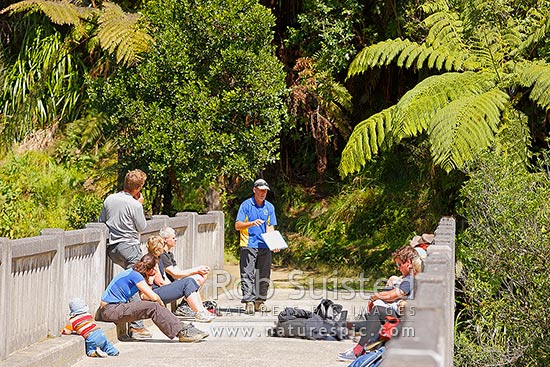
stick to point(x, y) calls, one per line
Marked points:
point(503, 288)
point(37, 193)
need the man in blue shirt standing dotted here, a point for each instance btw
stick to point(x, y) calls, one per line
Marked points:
point(256, 216)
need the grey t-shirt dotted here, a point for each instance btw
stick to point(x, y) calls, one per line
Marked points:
point(124, 217)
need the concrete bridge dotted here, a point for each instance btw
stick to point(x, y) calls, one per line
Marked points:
point(40, 274)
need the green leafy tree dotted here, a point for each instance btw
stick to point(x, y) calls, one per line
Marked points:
point(206, 104)
point(485, 58)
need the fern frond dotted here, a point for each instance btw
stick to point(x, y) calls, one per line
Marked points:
point(464, 127)
point(431, 7)
point(119, 34)
point(407, 52)
point(368, 137)
point(379, 54)
point(417, 108)
point(445, 29)
point(513, 137)
point(537, 76)
point(59, 12)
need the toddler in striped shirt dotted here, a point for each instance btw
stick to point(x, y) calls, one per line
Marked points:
point(83, 323)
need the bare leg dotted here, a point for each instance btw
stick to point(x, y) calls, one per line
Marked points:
point(195, 302)
point(200, 279)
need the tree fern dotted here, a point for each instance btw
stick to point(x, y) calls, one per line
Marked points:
point(407, 52)
point(445, 30)
point(118, 32)
point(460, 110)
point(368, 137)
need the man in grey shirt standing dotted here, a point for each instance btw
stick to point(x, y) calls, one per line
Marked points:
point(123, 214)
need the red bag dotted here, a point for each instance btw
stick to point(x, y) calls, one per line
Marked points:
point(388, 328)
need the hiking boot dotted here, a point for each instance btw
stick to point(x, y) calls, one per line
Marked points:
point(190, 334)
point(347, 356)
point(260, 306)
point(204, 316)
point(249, 308)
point(140, 333)
point(185, 312)
point(98, 353)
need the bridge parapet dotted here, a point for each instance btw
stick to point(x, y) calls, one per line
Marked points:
point(39, 275)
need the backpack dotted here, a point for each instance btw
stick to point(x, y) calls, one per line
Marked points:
point(326, 322)
point(329, 310)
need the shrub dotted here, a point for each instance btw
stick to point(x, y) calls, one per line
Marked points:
point(503, 288)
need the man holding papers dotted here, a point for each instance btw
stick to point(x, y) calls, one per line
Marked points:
point(256, 216)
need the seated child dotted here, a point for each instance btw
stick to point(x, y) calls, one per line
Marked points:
point(83, 323)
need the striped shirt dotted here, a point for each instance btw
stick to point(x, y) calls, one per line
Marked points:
point(82, 324)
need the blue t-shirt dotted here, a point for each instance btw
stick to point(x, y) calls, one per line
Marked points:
point(122, 287)
point(407, 285)
point(249, 211)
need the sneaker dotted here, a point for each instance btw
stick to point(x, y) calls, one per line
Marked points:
point(249, 308)
point(140, 333)
point(260, 306)
point(204, 316)
point(347, 356)
point(98, 353)
point(185, 312)
point(190, 334)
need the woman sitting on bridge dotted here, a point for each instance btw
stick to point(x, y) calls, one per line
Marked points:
point(115, 306)
point(186, 288)
point(385, 306)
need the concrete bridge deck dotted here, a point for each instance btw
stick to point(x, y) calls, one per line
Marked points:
point(238, 340)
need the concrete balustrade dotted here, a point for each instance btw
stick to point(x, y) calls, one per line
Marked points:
point(39, 275)
point(427, 334)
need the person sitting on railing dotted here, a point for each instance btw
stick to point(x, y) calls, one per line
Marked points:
point(186, 288)
point(123, 215)
point(421, 243)
point(115, 306)
point(171, 270)
point(387, 305)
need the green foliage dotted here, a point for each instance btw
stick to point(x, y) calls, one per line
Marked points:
point(206, 103)
point(326, 31)
point(49, 196)
point(84, 208)
point(324, 36)
point(504, 283)
point(480, 48)
point(121, 34)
